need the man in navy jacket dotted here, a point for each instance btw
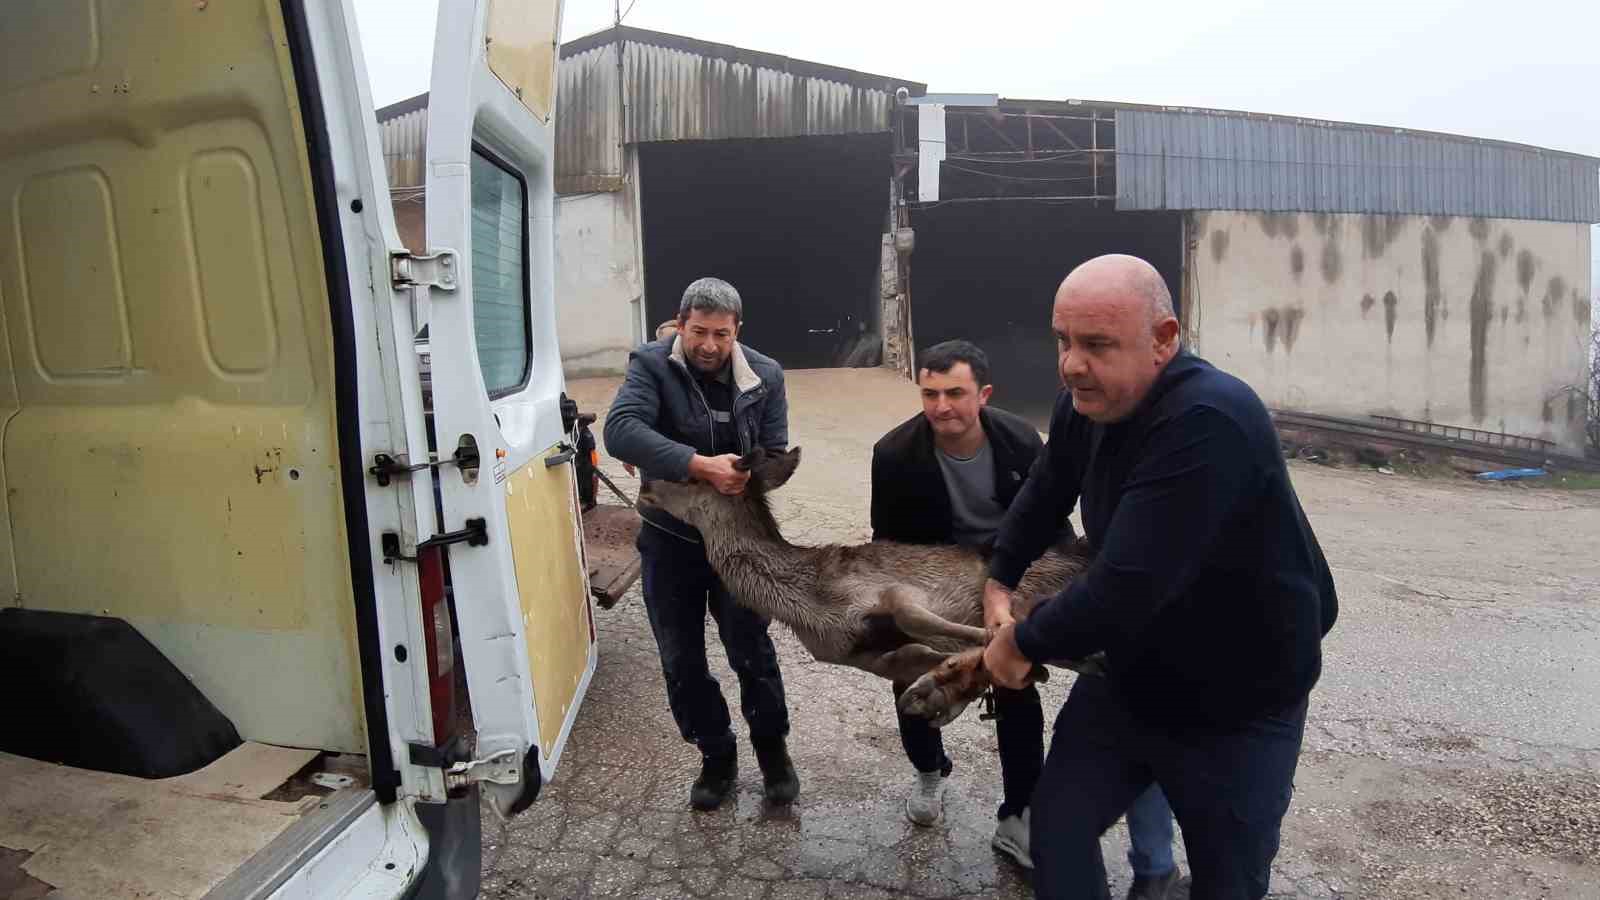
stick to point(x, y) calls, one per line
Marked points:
point(947, 475)
point(691, 405)
point(1208, 593)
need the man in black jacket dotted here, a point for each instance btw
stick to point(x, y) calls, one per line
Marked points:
point(691, 405)
point(947, 475)
point(1208, 593)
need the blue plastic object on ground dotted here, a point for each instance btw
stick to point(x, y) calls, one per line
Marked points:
point(1511, 474)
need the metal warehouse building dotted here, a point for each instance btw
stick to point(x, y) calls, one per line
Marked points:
point(677, 158)
point(1340, 269)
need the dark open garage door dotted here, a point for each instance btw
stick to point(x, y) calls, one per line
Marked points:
point(794, 223)
point(987, 272)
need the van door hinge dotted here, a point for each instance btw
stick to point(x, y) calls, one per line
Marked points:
point(386, 466)
point(475, 534)
point(439, 269)
point(499, 768)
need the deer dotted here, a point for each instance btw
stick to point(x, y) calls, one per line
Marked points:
point(905, 612)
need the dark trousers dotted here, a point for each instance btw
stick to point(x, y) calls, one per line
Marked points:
point(679, 588)
point(1228, 791)
point(1019, 726)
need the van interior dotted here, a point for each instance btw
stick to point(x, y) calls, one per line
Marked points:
point(178, 620)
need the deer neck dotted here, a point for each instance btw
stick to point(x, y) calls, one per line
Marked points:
point(763, 571)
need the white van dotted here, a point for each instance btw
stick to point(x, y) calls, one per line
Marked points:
point(226, 559)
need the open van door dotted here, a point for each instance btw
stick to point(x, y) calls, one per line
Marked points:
point(520, 585)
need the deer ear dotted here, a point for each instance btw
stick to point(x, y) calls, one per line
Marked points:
point(751, 460)
point(774, 472)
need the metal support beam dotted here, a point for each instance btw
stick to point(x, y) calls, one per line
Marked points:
point(1094, 145)
point(930, 150)
point(1017, 199)
point(1044, 117)
point(1070, 142)
point(1078, 157)
point(1001, 134)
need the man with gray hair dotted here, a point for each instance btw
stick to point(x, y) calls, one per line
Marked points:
point(693, 403)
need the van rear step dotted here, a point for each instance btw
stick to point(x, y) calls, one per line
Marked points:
point(609, 532)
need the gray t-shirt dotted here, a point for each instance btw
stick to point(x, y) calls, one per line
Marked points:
point(975, 513)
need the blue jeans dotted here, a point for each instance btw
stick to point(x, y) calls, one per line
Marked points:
point(679, 589)
point(1150, 834)
point(1229, 791)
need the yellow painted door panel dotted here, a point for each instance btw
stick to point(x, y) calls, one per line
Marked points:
point(542, 515)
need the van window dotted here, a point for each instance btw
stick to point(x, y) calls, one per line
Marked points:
point(499, 279)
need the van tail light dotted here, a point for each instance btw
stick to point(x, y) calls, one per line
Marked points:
point(439, 639)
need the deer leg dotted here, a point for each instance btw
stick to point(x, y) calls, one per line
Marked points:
point(944, 691)
point(904, 664)
point(941, 693)
point(911, 663)
point(911, 615)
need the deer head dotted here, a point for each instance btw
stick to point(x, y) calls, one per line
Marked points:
point(707, 509)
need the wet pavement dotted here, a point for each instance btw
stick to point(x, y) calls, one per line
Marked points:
point(1453, 747)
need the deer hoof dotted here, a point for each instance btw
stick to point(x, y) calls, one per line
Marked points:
point(950, 714)
point(927, 699)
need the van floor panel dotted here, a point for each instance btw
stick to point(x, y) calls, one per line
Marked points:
point(248, 772)
point(93, 834)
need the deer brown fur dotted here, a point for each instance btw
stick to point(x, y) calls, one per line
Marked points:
point(905, 612)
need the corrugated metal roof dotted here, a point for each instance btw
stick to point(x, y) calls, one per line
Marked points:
point(1168, 159)
point(678, 89)
point(682, 89)
point(675, 95)
point(588, 153)
point(403, 134)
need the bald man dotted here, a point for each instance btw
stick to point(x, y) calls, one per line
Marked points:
point(1208, 593)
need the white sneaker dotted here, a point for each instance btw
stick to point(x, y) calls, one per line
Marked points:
point(926, 799)
point(1011, 838)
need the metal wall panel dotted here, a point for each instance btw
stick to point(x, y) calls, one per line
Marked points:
point(675, 89)
point(1202, 160)
point(405, 139)
point(679, 89)
point(586, 116)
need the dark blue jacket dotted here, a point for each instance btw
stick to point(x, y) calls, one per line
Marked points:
point(1208, 591)
point(660, 418)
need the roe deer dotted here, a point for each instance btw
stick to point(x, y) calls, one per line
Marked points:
point(905, 612)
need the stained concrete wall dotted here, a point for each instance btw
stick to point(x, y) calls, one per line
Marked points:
point(598, 282)
point(1477, 322)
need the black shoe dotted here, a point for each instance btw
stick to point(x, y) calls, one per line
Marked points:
point(718, 771)
point(1157, 888)
point(778, 777)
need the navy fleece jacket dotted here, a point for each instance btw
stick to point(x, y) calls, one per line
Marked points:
point(1208, 591)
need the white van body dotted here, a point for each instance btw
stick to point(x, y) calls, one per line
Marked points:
point(213, 431)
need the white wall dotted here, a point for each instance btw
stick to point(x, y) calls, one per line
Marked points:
point(598, 278)
point(1462, 321)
